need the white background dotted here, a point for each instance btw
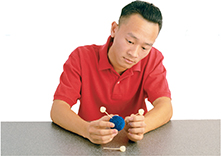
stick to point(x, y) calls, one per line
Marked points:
point(37, 36)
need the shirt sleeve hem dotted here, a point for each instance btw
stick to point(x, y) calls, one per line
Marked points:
point(152, 99)
point(65, 99)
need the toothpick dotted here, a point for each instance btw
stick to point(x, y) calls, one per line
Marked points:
point(122, 148)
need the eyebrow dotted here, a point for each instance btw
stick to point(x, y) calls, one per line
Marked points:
point(133, 36)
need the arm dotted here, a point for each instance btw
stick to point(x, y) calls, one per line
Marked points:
point(137, 126)
point(95, 131)
point(160, 114)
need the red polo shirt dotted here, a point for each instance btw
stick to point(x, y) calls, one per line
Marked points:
point(89, 77)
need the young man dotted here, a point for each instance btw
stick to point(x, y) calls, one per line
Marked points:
point(119, 75)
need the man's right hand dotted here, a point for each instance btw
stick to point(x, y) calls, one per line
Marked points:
point(99, 131)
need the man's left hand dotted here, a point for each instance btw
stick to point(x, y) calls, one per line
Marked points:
point(135, 127)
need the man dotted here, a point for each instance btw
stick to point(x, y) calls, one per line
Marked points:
point(119, 75)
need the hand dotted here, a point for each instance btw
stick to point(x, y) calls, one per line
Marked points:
point(99, 131)
point(135, 127)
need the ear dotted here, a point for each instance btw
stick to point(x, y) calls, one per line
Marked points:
point(114, 27)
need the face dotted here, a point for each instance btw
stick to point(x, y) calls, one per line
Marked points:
point(133, 40)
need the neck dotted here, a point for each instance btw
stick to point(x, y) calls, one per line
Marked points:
point(112, 61)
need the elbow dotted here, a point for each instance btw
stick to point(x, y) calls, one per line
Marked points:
point(59, 110)
point(51, 114)
point(170, 111)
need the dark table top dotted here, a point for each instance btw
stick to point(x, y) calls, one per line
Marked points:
point(178, 137)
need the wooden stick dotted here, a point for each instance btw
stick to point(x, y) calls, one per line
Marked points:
point(122, 148)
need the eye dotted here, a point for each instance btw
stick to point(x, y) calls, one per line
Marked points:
point(144, 48)
point(129, 41)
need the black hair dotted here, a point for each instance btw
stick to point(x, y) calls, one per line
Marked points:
point(147, 10)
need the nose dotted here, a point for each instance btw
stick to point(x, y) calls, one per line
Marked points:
point(134, 52)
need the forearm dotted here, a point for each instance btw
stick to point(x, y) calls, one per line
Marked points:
point(62, 115)
point(159, 115)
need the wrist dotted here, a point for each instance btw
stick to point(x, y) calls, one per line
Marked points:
point(85, 132)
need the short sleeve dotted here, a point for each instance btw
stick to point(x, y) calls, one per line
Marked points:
point(69, 87)
point(156, 84)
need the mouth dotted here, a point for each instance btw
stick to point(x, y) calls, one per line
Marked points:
point(128, 60)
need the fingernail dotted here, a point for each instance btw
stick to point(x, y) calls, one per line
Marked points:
point(112, 125)
point(115, 131)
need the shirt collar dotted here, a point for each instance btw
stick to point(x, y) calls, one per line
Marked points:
point(137, 67)
point(104, 61)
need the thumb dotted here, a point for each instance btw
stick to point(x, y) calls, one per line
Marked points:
point(127, 119)
point(105, 118)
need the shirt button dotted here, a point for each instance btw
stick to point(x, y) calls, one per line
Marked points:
point(118, 82)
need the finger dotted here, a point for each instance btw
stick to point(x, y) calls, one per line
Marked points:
point(136, 130)
point(105, 118)
point(135, 137)
point(103, 124)
point(135, 118)
point(103, 136)
point(127, 119)
point(99, 136)
point(102, 139)
point(105, 132)
point(137, 125)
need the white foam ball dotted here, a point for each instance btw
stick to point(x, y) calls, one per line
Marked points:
point(102, 109)
point(122, 148)
point(141, 111)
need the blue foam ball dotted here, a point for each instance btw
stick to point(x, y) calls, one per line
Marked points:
point(118, 121)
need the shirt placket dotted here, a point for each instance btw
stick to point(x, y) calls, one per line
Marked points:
point(117, 90)
point(117, 94)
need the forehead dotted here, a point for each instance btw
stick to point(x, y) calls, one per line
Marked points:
point(140, 27)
